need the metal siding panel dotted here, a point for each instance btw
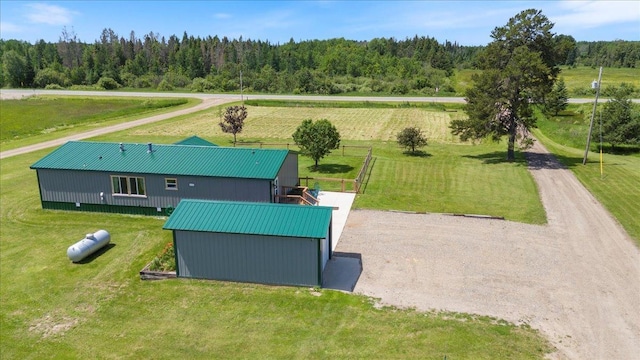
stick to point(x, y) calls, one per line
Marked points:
point(247, 258)
point(73, 186)
point(288, 175)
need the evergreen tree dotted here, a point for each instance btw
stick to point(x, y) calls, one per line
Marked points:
point(558, 98)
point(620, 121)
point(519, 68)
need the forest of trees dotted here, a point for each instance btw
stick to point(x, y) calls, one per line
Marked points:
point(415, 65)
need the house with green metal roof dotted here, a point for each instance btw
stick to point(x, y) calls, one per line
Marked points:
point(251, 242)
point(153, 178)
point(196, 141)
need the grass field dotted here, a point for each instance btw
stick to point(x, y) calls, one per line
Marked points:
point(37, 119)
point(52, 308)
point(577, 80)
point(443, 179)
point(363, 124)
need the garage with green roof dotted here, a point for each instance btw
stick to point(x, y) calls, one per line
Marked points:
point(251, 242)
point(153, 178)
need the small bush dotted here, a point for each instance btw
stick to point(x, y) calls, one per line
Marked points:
point(165, 261)
point(165, 86)
point(108, 83)
point(53, 87)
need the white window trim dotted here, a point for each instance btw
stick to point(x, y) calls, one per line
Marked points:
point(175, 184)
point(129, 194)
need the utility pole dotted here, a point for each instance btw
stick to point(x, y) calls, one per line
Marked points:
point(593, 113)
point(241, 94)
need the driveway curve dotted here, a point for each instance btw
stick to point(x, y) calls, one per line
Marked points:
point(576, 279)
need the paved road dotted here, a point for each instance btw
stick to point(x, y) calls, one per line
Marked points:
point(576, 279)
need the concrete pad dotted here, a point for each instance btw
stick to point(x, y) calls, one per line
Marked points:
point(342, 272)
point(341, 202)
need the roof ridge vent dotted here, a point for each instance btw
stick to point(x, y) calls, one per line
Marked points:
point(121, 147)
point(149, 148)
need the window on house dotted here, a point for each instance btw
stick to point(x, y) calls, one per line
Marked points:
point(128, 186)
point(171, 184)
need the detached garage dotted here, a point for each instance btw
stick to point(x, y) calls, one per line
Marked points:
point(251, 242)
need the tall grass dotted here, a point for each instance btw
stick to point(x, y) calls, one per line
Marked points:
point(37, 119)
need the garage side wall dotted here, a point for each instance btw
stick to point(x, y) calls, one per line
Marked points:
point(248, 258)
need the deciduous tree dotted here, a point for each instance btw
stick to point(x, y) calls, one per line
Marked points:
point(316, 140)
point(233, 120)
point(519, 68)
point(411, 138)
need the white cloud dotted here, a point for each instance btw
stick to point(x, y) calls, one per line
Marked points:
point(6, 27)
point(222, 16)
point(591, 14)
point(42, 13)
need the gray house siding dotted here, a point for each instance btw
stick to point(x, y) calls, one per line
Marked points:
point(288, 174)
point(84, 187)
point(248, 258)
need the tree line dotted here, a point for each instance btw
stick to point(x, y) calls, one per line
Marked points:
point(419, 65)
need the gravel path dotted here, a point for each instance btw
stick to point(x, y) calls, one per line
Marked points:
point(205, 104)
point(576, 279)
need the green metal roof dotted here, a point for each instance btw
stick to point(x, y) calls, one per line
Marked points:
point(195, 140)
point(251, 218)
point(211, 161)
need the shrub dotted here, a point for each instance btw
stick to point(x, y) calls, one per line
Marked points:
point(107, 83)
point(165, 261)
point(165, 85)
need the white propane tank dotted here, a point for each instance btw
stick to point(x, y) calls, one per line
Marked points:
point(87, 246)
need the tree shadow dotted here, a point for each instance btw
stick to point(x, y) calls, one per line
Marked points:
point(330, 168)
point(417, 153)
point(621, 150)
point(96, 254)
point(497, 157)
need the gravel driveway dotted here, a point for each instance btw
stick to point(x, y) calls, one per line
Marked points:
point(576, 279)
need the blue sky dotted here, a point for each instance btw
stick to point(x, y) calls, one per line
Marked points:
point(466, 22)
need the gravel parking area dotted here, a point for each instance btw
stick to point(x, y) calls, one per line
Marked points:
point(576, 279)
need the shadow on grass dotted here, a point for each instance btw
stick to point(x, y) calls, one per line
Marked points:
point(96, 254)
point(621, 150)
point(498, 157)
point(330, 168)
point(417, 153)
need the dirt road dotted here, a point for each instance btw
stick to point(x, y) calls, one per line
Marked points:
point(576, 279)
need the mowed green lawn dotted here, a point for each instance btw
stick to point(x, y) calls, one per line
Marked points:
point(449, 177)
point(52, 308)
